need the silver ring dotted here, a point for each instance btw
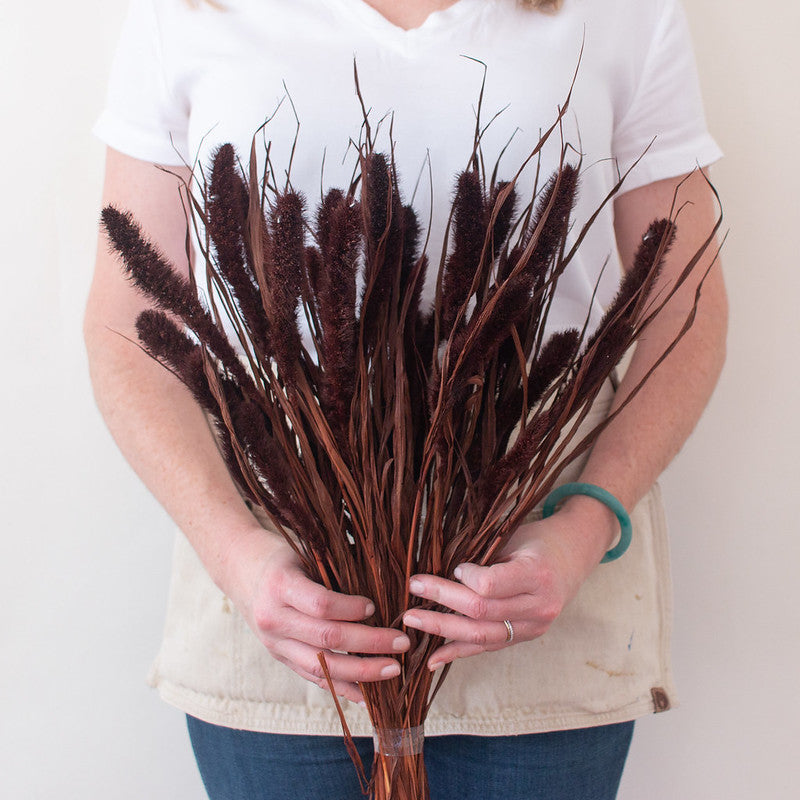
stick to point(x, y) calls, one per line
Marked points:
point(509, 631)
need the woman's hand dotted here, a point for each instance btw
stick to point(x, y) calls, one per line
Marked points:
point(296, 618)
point(543, 566)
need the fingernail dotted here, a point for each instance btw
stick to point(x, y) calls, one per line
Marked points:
point(362, 704)
point(434, 665)
point(370, 610)
point(401, 643)
point(392, 671)
point(415, 586)
point(412, 619)
point(458, 572)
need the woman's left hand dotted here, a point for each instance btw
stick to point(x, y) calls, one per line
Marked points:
point(542, 568)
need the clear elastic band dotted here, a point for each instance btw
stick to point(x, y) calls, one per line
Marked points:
point(397, 742)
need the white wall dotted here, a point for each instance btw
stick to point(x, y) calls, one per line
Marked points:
point(733, 489)
point(84, 552)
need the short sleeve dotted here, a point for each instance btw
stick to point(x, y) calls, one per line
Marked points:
point(665, 116)
point(142, 117)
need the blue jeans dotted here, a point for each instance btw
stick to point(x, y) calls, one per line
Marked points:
point(584, 764)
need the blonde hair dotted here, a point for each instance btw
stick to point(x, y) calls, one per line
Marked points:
point(544, 5)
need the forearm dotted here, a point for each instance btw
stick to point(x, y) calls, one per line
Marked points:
point(165, 437)
point(159, 428)
point(645, 436)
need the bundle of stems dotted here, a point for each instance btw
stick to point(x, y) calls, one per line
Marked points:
point(402, 439)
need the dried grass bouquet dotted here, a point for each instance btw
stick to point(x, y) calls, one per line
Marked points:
point(407, 439)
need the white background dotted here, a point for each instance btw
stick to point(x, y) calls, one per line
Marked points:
point(84, 551)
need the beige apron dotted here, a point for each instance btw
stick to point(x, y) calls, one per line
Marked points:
point(604, 660)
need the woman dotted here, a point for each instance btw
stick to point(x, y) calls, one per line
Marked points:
point(547, 713)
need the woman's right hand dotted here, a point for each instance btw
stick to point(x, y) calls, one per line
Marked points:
point(296, 618)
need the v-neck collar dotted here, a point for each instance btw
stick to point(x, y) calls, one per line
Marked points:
point(436, 21)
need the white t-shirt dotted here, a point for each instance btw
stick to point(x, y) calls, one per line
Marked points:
point(187, 80)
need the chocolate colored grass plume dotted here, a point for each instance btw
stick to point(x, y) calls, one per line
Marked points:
point(406, 440)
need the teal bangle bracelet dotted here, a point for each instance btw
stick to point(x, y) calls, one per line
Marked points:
point(608, 499)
